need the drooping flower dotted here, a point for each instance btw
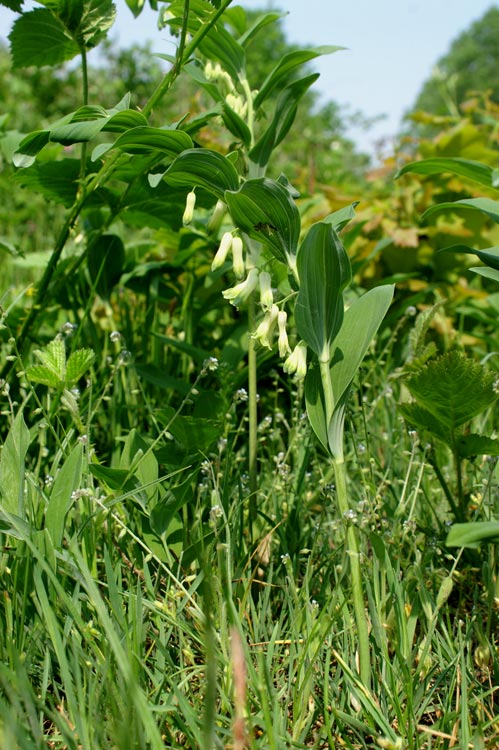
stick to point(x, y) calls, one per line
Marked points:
point(283, 343)
point(238, 294)
point(238, 265)
point(223, 251)
point(189, 208)
point(266, 295)
point(265, 330)
point(296, 363)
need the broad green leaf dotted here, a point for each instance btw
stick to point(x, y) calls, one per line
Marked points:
point(489, 256)
point(221, 46)
point(265, 210)
point(471, 170)
point(55, 180)
point(260, 23)
point(236, 125)
point(340, 218)
point(485, 205)
point(39, 38)
point(136, 6)
point(85, 21)
point(77, 365)
point(15, 5)
point(286, 66)
point(284, 115)
point(142, 463)
point(453, 389)
point(470, 446)
point(193, 434)
point(144, 139)
point(424, 421)
point(105, 261)
point(324, 272)
point(30, 147)
point(473, 534)
point(488, 273)
point(201, 167)
point(67, 480)
point(198, 355)
point(115, 479)
point(197, 74)
point(360, 324)
point(12, 460)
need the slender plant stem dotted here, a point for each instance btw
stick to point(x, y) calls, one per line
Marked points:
point(352, 538)
point(253, 417)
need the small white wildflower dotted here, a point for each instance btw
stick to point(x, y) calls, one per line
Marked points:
point(115, 336)
point(241, 394)
point(222, 444)
point(296, 363)
point(68, 328)
point(216, 512)
point(283, 342)
point(238, 265)
point(266, 295)
point(240, 293)
point(189, 208)
point(210, 364)
point(223, 251)
point(411, 311)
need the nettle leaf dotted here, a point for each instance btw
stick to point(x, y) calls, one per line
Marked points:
point(489, 256)
point(43, 375)
point(39, 38)
point(284, 115)
point(324, 271)
point(53, 357)
point(77, 365)
point(15, 5)
point(453, 389)
point(265, 210)
point(286, 66)
point(471, 170)
point(486, 206)
point(473, 534)
point(201, 167)
point(424, 421)
point(470, 446)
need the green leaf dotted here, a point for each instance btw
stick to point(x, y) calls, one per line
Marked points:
point(144, 139)
point(236, 125)
point(286, 66)
point(77, 365)
point(67, 480)
point(136, 6)
point(470, 446)
point(485, 205)
point(55, 180)
point(423, 420)
point(43, 375)
point(324, 272)
point(265, 210)
point(342, 216)
point(284, 115)
point(201, 167)
point(15, 5)
point(39, 38)
point(264, 20)
point(30, 147)
point(453, 389)
point(142, 463)
point(490, 256)
point(106, 261)
point(472, 534)
point(12, 460)
point(471, 170)
point(488, 273)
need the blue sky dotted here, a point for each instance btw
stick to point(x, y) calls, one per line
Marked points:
point(392, 46)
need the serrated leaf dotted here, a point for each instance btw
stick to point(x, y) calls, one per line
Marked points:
point(67, 480)
point(471, 170)
point(423, 420)
point(473, 534)
point(286, 66)
point(56, 180)
point(469, 446)
point(54, 357)
point(39, 38)
point(15, 5)
point(453, 389)
point(265, 210)
point(78, 363)
point(202, 167)
point(43, 375)
point(324, 271)
point(12, 462)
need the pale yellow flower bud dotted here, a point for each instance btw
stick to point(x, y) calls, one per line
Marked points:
point(265, 330)
point(222, 252)
point(283, 343)
point(266, 296)
point(296, 363)
point(240, 293)
point(189, 207)
point(238, 265)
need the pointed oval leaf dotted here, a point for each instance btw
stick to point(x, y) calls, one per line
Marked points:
point(472, 170)
point(489, 256)
point(324, 272)
point(67, 480)
point(201, 167)
point(485, 205)
point(144, 139)
point(488, 273)
point(472, 534)
point(286, 66)
point(265, 210)
point(12, 459)
point(106, 260)
point(29, 147)
point(39, 38)
point(77, 365)
point(220, 45)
